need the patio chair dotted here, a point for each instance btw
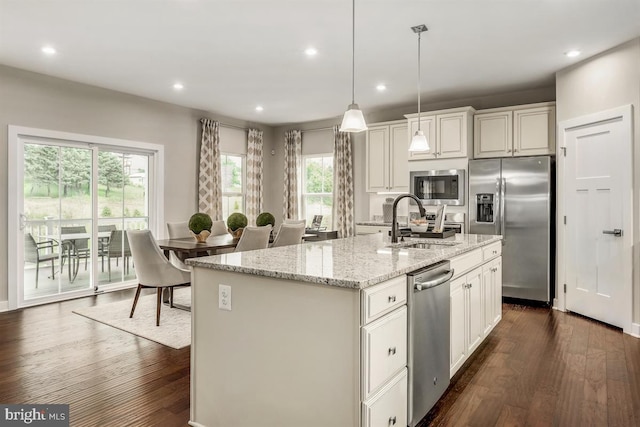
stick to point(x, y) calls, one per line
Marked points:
point(117, 248)
point(254, 238)
point(153, 269)
point(33, 255)
point(289, 234)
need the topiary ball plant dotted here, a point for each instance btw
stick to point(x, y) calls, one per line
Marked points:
point(265, 218)
point(200, 222)
point(236, 222)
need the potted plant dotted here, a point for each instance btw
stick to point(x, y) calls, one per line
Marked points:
point(200, 226)
point(236, 223)
point(265, 218)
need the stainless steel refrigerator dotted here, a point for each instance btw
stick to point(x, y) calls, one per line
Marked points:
point(514, 197)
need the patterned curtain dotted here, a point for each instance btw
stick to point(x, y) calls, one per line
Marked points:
point(254, 175)
point(292, 160)
point(210, 175)
point(343, 221)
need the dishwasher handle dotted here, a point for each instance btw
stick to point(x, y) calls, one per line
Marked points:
point(421, 286)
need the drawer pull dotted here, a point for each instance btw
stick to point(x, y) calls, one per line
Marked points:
point(392, 421)
point(392, 351)
point(392, 298)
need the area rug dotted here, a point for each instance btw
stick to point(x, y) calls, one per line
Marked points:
point(175, 324)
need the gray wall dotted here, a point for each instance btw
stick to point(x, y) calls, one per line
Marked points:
point(608, 80)
point(34, 100)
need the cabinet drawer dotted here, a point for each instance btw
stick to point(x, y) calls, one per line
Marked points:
point(465, 262)
point(491, 251)
point(384, 351)
point(389, 406)
point(383, 298)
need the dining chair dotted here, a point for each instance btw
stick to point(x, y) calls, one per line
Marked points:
point(178, 230)
point(290, 221)
point(32, 254)
point(76, 249)
point(289, 234)
point(117, 248)
point(153, 269)
point(219, 228)
point(254, 238)
point(103, 242)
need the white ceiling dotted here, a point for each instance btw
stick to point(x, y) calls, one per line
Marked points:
point(232, 55)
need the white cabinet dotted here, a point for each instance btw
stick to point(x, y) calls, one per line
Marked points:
point(383, 365)
point(389, 406)
point(387, 167)
point(525, 130)
point(492, 290)
point(448, 133)
point(476, 300)
point(467, 330)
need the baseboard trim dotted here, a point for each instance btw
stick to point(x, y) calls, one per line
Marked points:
point(635, 330)
point(4, 306)
point(195, 424)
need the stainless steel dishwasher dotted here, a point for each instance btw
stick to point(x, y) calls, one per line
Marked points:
point(429, 337)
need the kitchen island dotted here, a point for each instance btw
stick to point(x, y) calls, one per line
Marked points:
point(289, 336)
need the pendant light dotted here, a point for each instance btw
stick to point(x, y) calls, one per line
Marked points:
point(419, 141)
point(353, 120)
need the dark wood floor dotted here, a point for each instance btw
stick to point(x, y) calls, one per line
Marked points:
point(538, 367)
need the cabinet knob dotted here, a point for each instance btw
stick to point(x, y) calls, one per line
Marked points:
point(392, 421)
point(392, 298)
point(508, 150)
point(392, 351)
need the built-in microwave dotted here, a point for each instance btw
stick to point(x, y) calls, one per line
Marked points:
point(439, 187)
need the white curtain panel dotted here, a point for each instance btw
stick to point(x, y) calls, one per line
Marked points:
point(343, 216)
point(292, 163)
point(254, 175)
point(210, 175)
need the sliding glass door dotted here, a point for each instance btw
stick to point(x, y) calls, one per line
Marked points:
point(74, 202)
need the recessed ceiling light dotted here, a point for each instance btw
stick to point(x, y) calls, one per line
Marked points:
point(311, 51)
point(381, 87)
point(572, 53)
point(259, 108)
point(178, 86)
point(48, 50)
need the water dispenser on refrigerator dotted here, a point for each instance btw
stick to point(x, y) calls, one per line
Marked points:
point(484, 208)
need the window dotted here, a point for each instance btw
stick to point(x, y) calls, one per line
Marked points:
point(317, 188)
point(233, 170)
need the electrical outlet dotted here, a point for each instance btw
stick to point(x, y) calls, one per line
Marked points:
point(224, 297)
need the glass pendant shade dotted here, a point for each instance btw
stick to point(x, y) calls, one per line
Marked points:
point(353, 120)
point(419, 142)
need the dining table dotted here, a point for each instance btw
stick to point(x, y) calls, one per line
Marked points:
point(188, 247)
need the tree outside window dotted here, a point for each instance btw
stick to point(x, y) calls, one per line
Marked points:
point(233, 168)
point(317, 188)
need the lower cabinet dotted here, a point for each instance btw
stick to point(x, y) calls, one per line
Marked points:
point(467, 311)
point(388, 407)
point(476, 303)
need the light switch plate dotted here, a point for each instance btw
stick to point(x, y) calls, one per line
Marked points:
point(224, 297)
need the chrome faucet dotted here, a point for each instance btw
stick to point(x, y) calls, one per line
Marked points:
point(394, 221)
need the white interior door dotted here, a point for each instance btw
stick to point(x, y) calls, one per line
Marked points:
point(598, 202)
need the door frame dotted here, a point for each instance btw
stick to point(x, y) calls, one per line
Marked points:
point(625, 113)
point(15, 187)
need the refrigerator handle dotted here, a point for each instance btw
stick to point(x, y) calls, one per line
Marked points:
point(498, 208)
point(503, 229)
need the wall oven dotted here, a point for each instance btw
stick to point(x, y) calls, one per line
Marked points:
point(439, 187)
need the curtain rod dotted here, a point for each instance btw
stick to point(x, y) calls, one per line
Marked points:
point(224, 125)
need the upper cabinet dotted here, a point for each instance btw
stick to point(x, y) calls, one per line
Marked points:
point(386, 161)
point(524, 130)
point(449, 133)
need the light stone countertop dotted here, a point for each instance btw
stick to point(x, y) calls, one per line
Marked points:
point(355, 262)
